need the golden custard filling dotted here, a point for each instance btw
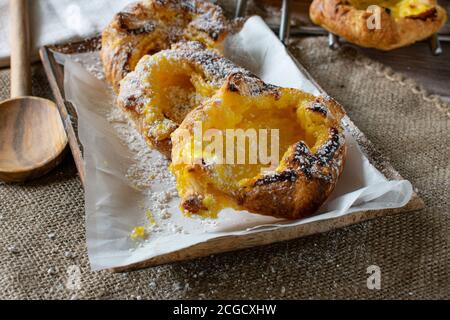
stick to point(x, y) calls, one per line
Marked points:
point(397, 8)
point(242, 127)
point(148, 45)
point(176, 88)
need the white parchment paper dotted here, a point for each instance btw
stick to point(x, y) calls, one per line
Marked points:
point(115, 203)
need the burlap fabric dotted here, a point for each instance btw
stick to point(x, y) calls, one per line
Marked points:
point(44, 219)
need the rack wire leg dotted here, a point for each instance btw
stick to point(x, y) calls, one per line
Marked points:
point(241, 6)
point(285, 26)
point(333, 41)
point(435, 45)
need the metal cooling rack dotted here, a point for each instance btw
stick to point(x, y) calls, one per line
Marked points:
point(334, 41)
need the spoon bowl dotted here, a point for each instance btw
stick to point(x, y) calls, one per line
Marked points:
point(32, 138)
point(32, 135)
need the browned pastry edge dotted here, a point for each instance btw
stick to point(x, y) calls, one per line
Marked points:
point(134, 94)
point(164, 146)
point(306, 184)
point(149, 26)
point(308, 180)
point(350, 23)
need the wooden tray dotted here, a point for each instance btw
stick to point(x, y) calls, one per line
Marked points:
point(55, 73)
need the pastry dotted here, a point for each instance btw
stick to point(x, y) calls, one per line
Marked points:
point(166, 86)
point(311, 151)
point(401, 22)
point(149, 26)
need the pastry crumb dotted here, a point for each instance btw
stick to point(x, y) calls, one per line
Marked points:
point(139, 233)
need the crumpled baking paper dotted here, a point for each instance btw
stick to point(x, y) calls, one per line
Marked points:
point(114, 206)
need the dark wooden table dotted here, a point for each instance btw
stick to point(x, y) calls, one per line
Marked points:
point(416, 61)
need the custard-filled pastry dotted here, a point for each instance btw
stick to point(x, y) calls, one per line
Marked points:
point(149, 26)
point(166, 86)
point(311, 151)
point(400, 23)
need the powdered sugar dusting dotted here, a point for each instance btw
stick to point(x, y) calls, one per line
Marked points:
point(141, 93)
point(148, 174)
point(91, 62)
point(153, 25)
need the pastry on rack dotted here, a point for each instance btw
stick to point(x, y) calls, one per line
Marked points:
point(149, 26)
point(166, 86)
point(311, 151)
point(401, 22)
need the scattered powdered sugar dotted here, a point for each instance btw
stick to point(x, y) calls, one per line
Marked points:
point(150, 175)
point(182, 101)
point(150, 168)
point(13, 249)
point(214, 66)
point(91, 61)
point(149, 172)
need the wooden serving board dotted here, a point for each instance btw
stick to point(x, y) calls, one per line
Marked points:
point(55, 74)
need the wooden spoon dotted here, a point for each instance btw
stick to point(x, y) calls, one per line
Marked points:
point(32, 135)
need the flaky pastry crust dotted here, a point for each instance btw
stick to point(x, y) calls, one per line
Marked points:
point(149, 26)
point(166, 86)
point(312, 145)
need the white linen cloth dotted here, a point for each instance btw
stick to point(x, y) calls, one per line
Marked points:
point(58, 21)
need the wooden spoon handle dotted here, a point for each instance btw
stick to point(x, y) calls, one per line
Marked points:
point(20, 49)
